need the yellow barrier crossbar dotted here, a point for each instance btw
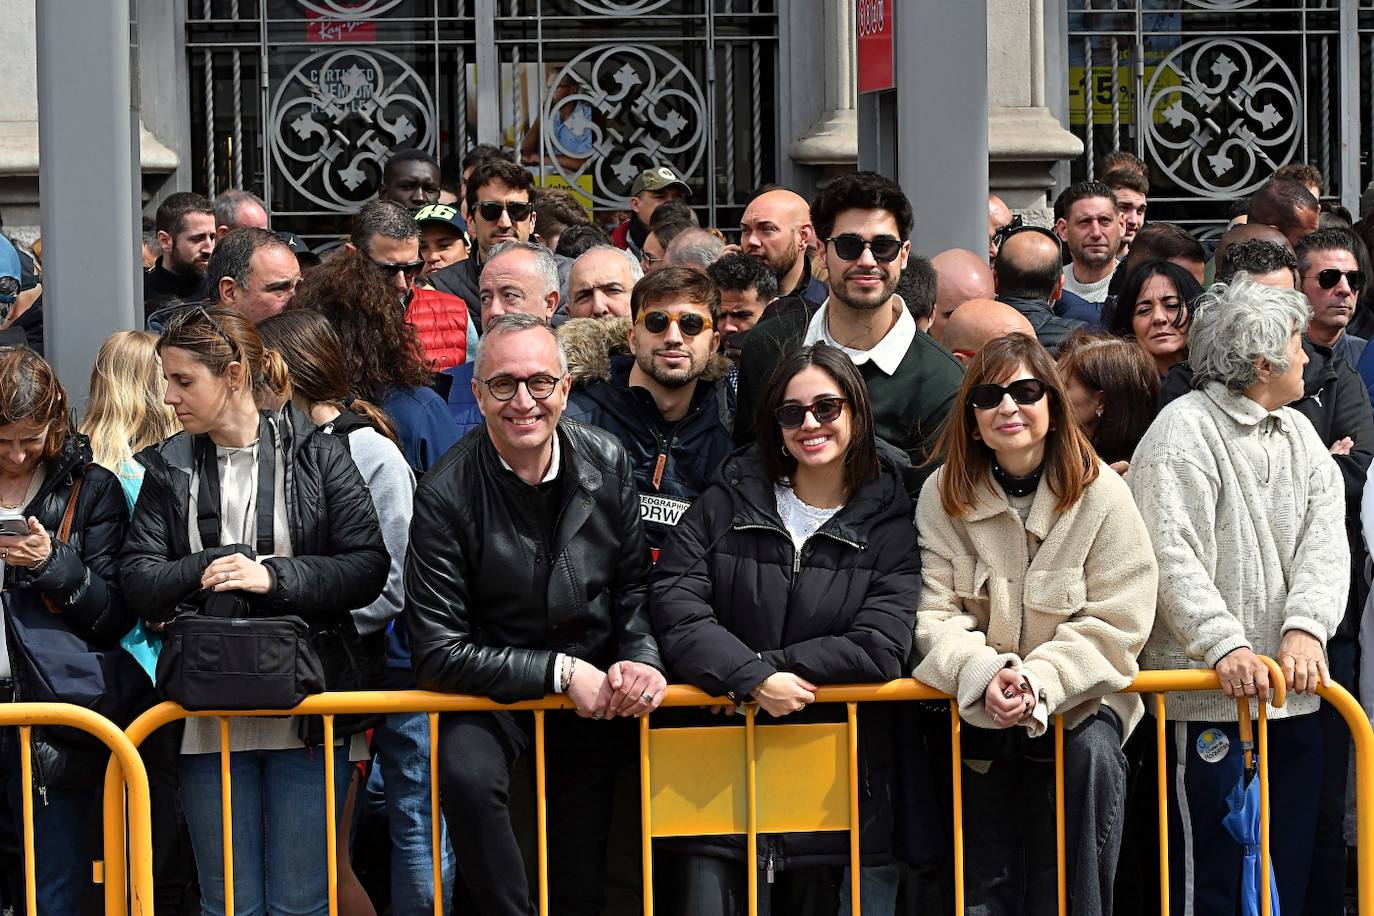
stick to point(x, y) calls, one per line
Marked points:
point(751, 814)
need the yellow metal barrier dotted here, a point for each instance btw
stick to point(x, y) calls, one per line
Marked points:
point(680, 796)
point(125, 757)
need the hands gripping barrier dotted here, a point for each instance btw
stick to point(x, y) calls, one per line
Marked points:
point(693, 781)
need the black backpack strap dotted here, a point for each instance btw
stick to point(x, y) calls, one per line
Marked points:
point(208, 495)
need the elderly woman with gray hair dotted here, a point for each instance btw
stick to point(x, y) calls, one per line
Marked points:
point(1247, 513)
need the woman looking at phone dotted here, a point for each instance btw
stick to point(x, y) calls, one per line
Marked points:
point(1038, 594)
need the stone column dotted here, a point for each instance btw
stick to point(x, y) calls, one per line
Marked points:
point(1025, 140)
point(832, 142)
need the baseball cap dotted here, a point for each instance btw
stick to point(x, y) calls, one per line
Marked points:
point(9, 272)
point(293, 241)
point(442, 213)
point(657, 179)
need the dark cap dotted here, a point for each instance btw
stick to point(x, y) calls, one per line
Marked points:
point(293, 241)
point(659, 178)
point(446, 214)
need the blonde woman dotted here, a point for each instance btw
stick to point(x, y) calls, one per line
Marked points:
point(126, 414)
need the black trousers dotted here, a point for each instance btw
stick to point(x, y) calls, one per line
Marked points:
point(581, 759)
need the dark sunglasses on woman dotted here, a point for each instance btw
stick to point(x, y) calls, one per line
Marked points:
point(689, 323)
point(1024, 391)
point(1327, 279)
point(519, 210)
point(825, 410)
point(850, 247)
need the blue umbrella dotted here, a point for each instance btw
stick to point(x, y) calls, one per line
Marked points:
point(1243, 823)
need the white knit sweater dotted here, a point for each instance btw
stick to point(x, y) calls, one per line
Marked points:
point(1246, 510)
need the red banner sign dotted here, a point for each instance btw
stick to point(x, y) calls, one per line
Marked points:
point(875, 45)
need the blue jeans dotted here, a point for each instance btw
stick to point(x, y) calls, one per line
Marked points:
point(280, 863)
point(61, 816)
point(402, 748)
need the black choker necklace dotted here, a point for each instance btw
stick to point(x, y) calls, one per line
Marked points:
point(1017, 486)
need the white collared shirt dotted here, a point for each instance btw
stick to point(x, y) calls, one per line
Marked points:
point(553, 465)
point(889, 352)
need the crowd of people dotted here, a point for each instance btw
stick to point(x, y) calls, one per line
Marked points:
point(482, 446)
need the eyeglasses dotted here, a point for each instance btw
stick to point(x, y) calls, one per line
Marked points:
point(411, 269)
point(850, 247)
point(1327, 279)
point(825, 410)
point(178, 324)
point(519, 210)
point(504, 387)
point(689, 323)
point(1025, 391)
point(648, 259)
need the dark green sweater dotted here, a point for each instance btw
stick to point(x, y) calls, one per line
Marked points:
point(909, 407)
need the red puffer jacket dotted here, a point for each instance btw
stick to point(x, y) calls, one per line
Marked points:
point(441, 321)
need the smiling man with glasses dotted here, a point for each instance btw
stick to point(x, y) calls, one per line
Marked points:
point(663, 400)
point(864, 220)
point(527, 574)
point(499, 208)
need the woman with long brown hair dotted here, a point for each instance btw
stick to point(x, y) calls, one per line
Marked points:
point(1038, 593)
point(381, 352)
point(64, 519)
point(320, 387)
point(1113, 388)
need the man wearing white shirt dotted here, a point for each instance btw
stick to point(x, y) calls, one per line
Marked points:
point(863, 220)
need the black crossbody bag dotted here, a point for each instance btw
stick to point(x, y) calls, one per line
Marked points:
point(225, 654)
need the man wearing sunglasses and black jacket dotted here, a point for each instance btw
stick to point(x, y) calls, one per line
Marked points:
point(499, 210)
point(1329, 276)
point(662, 399)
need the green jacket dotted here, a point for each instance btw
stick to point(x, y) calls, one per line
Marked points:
point(909, 408)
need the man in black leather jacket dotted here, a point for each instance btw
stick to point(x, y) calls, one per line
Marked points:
point(527, 575)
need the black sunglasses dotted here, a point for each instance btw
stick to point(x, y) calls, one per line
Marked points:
point(504, 387)
point(519, 210)
point(689, 323)
point(1025, 391)
point(411, 269)
point(825, 410)
point(850, 247)
point(1327, 279)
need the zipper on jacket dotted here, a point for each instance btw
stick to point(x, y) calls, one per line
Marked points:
point(770, 866)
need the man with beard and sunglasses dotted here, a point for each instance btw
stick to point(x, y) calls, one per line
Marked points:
point(499, 209)
point(662, 399)
point(387, 234)
point(863, 220)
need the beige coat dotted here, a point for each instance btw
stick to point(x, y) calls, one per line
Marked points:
point(1069, 597)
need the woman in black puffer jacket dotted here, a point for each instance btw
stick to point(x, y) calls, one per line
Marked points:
point(58, 599)
point(323, 557)
point(798, 567)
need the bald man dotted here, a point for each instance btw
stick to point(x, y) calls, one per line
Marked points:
point(776, 229)
point(999, 216)
point(978, 321)
point(962, 275)
point(1029, 278)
